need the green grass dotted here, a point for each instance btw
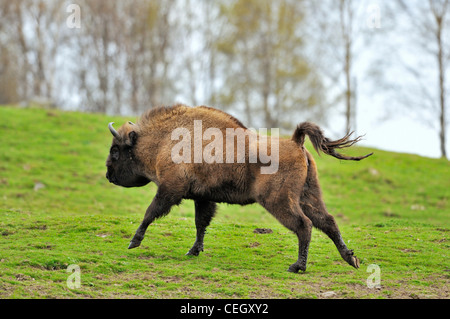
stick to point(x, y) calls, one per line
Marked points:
point(57, 209)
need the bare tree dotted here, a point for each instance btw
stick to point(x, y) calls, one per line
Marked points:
point(9, 66)
point(124, 55)
point(265, 66)
point(427, 35)
point(131, 55)
point(201, 25)
point(440, 11)
point(31, 40)
point(346, 14)
point(337, 31)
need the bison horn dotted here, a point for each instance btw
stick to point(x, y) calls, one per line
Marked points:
point(113, 130)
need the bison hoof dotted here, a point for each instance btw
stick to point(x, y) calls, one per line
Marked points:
point(295, 268)
point(354, 262)
point(194, 252)
point(351, 259)
point(134, 244)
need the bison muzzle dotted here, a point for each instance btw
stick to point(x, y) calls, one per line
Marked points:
point(143, 152)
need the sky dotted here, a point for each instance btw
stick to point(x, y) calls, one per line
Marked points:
point(398, 134)
point(387, 125)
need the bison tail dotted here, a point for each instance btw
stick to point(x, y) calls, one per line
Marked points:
point(324, 144)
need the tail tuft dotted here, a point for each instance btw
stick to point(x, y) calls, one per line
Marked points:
point(324, 144)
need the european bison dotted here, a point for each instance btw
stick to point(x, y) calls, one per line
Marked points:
point(174, 148)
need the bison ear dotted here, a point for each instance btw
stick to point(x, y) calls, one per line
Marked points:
point(132, 138)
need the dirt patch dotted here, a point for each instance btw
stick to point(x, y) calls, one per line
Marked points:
point(38, 227)
point(407, 250)
point(21, 277)
point(7, 233)
point(263, 231)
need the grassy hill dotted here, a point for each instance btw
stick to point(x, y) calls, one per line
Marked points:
point(57, 209)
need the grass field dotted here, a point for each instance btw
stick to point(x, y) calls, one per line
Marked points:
point(57, 209)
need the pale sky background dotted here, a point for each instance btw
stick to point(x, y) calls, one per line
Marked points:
point(398, 134)
point(387, 125)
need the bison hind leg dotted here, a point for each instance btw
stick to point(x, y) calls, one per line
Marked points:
point(315, 209)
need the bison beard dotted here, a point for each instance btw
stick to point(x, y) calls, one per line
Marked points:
point(141, 153)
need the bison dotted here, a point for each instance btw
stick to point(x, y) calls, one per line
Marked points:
point(145, 152)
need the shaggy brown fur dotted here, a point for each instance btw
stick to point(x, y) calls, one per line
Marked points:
point(141, 153)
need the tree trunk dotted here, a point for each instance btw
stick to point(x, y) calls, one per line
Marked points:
point(440, 57)
point(346, 20)
point(348, 92)
point(266, 84)
point(442, 99)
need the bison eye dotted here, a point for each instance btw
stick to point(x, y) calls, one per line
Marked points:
point(114, 153)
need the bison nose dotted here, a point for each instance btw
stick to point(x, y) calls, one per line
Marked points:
point(109, 177)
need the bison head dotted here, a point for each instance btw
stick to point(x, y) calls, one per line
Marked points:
point(123, 168)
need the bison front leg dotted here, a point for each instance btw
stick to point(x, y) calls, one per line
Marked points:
point(160, 206)
point(204, 212)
